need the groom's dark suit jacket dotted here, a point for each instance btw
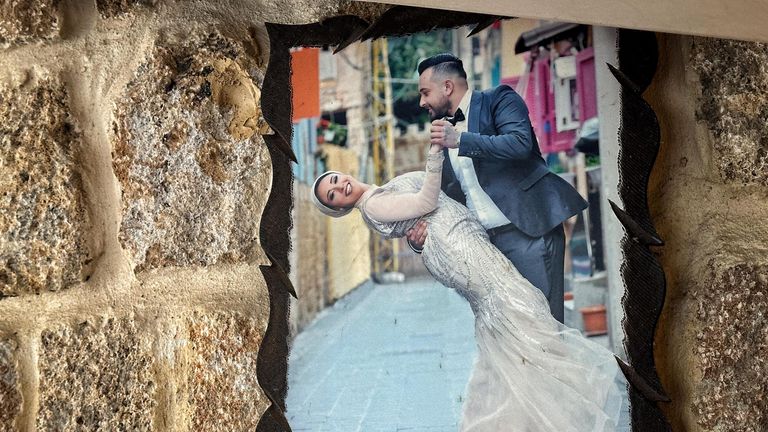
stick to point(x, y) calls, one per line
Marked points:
point(509, 165)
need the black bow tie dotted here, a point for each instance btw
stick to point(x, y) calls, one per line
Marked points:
point(459, 116)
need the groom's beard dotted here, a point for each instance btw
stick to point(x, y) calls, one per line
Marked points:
point(436, 116)
point(441, 111)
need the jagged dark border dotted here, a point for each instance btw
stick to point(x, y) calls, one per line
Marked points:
point(641, 272)
point(639, 141)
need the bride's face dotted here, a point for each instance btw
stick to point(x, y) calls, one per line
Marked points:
point(339, 190)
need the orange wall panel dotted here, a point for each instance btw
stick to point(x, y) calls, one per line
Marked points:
point(305, 80)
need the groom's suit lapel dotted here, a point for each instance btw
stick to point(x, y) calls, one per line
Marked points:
point(475, 107)
point(475, 111)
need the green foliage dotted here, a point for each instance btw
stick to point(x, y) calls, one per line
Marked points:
point(592, 161)
point(332, 133)
point(405, 53)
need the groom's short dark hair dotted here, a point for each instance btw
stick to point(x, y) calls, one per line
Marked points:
point(444, 63)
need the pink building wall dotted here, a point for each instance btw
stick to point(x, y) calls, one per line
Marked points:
point(540, 98)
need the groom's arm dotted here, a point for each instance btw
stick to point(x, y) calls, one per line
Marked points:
point(514, 139)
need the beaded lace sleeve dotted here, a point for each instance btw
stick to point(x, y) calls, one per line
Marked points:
point(388, 206)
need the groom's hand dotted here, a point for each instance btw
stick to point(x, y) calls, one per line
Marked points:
point(418, 234)
point(444, 134)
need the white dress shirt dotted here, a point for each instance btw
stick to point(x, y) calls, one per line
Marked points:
point(477, 200)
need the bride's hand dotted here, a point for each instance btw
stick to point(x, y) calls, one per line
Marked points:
point(435, 148)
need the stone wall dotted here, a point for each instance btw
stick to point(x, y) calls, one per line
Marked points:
point(411, 149)
point(709, 201)
point(134, 176)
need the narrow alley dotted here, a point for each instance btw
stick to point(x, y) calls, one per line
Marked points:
point(379, 360)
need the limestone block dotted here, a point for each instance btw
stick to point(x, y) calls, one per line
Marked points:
point(732, 349)
point(224, 393)
point(10, 398)
point(25, 21)
point(96, 376)
point(368, 11)
point(43, 219)
point(734, 105)
point(115, 8)
point(411, 154)
point(193, 167)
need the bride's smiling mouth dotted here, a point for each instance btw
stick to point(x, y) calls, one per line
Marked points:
point(348, 189)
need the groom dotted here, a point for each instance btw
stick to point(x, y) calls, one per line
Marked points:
point(493, 165)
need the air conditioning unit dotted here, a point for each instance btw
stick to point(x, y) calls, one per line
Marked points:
point(566, 95)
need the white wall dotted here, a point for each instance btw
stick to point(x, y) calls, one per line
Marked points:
point(608, 110)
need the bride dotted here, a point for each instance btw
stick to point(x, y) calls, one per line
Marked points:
point(531, 373)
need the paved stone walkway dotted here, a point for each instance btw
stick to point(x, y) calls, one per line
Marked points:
point(379, 360)
point(383, 358)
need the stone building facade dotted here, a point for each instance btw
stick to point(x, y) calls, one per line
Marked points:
point(330, 258)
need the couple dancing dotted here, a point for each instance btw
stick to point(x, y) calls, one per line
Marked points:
point(495, 236)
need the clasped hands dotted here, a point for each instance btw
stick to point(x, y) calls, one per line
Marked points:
point(442, 134)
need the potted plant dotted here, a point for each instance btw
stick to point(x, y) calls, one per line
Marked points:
point(594, 318)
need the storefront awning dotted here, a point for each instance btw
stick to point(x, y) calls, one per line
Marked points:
point(545, 34)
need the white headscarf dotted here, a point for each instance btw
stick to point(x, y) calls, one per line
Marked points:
point(328, 210)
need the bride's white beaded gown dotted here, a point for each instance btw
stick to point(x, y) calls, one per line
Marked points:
point(531, 373)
